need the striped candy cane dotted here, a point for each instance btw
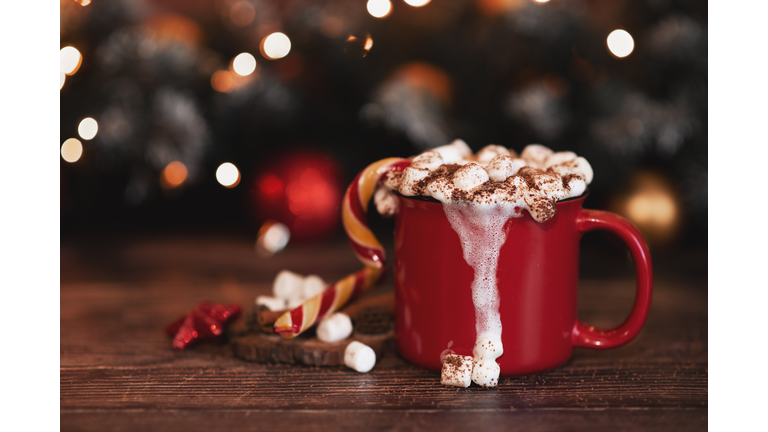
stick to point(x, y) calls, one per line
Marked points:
point(365, 245)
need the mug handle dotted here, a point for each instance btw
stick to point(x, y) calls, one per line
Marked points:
point(588, 336)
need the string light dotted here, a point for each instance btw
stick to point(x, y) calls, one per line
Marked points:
point(275, 46)
point(244, 64)
point(70, 59)
point(228, 175)
point(420, 3)
point(173, 175)
point(88, 128)
point(379, 8)
point(620, 43)
point(71, 150)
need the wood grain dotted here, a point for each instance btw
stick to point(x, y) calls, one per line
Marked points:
point(118, 371)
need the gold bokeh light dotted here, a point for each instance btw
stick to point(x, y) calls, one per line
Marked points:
point(379, 8)
point(620, 43)
point(417, 3)
point(70, 60)
point(228, 175)
point(244, 64)
point(275, 46)
point(88, 128)
point(71, 150)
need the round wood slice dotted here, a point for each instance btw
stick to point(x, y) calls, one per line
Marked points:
point(271, 348)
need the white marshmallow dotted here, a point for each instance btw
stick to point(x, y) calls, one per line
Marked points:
point(430, 160)
point(536, 155)
point(485, 373)
point(312, 286)
point(560, 157)
point(295, 302)
point(411, 176)
point(457, 371)
point(487, 153)
point(502, 167)
point(577, 187)
point(454, 152)
point(359, 356)
point(488, 347)
point(334, 328)
point(470, 176)
point(584, 169)
point(287, 285)
point(387, 204)
point(272, 303)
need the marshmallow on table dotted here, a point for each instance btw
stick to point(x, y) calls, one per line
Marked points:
point(359, 356)
point(457, 371)
point(470, 176)
point(334, 328)
point(312, 286)
point(485, 372)
point(272, 303)
point(288, 285)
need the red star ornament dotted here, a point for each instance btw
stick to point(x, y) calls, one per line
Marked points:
point(205, 322)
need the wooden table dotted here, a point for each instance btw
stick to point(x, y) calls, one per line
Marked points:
point(118, 371)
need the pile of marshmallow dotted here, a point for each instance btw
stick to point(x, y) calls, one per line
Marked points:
point(495, 163)
point(291, 290)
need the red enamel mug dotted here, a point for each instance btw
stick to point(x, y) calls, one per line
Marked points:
point(537, 278)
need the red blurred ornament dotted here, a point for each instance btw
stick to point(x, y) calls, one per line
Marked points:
point(302, 191)
point(205, 322)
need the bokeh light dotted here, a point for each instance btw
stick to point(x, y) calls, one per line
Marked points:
point(242, 13)
point(275, 46)
point(620, 43)
point(222, 81)
point(70, 60)
point(358, 46)
point(652, 208)
point(244, 64)
point(63, 79)
point(379, 8)
point(84, 2)
point(173, 175)
point(71, 150)
point(272, 238)
point(542, 1)
point(88, 128)
point(417, 3)
point(228, 175)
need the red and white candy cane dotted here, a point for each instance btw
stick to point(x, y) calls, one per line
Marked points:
point(365, 245)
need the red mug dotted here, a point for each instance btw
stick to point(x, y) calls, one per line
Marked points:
point(537, 279)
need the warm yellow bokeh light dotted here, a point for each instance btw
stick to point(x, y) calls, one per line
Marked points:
point(228, 175)
point(620, 43)
point(71, 150)
point(88, 128)
point(174, 174)
point(244, 64)
point(70, 59)
point(63, 77)
point(653, 208)
point(417, 3)
point(379, 8)
point(541, 1)
point(275, 46)
point(84, 2)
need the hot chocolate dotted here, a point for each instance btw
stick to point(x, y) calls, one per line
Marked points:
point(480, 193)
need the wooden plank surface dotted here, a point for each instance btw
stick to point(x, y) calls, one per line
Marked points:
point(118, 371)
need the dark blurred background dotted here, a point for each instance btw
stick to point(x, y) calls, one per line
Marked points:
point(171, 97)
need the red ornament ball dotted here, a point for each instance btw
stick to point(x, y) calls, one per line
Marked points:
point(301, 191)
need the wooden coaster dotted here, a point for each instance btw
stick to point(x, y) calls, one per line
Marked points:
point(271, 348)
